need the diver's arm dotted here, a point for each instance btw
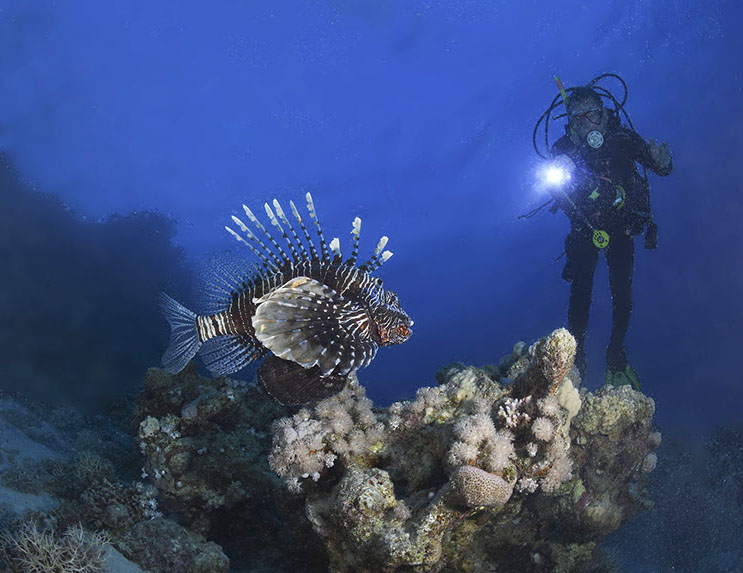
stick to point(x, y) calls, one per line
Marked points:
point(657, 158)
point(568, 198)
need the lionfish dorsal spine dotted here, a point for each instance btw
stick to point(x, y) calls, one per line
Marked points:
point(275, 223)
point(266, 261)
point(269, 257)
point(316, 221)
point(257, 223)
point(288, 223)
point(227, 281)
point(346, 276)
point(379, 257)
point(307, 236)
point(335, 246)
point(381, 260)
point(356, 233)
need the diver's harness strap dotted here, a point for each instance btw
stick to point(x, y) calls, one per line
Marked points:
point(601, 238)
point(651, 231)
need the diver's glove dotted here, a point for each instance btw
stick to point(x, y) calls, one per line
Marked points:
point(660, 153)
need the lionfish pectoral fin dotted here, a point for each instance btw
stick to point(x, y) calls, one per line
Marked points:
point(309, 323)
point(184, 335)
point(293, 385)
point(228, 354)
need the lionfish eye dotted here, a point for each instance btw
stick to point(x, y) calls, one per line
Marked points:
point(403, 330)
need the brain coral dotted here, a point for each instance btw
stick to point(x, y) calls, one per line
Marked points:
point(480, 488)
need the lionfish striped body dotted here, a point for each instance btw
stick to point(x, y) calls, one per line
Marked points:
point(317, 316)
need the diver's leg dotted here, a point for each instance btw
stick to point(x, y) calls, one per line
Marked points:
point(579, 270)
point(620, 255)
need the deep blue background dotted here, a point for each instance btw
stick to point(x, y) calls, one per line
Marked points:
point(416, 116)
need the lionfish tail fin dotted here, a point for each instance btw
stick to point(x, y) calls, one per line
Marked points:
point(184, 336)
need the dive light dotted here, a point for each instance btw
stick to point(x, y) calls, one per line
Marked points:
point(558, 172)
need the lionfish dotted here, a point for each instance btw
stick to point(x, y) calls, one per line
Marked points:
point(317, 316)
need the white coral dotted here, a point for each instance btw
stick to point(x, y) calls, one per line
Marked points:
point(500, 450)
point(313, 439)
point(549, 406)
point(512, 412)
point(527, 485)
point(543, 429)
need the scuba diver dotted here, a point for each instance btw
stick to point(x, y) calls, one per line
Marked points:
point(595, 181)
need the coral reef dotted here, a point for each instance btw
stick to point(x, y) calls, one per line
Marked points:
point(501, 468)
point(51, 489)
point(206, 444)
point(162, 545)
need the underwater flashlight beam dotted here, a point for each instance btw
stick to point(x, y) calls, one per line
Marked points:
point(558, 172)
point(556, 176)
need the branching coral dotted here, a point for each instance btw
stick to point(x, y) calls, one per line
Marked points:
point(31, 550)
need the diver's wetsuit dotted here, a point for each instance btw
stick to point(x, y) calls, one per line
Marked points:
point(594, 191)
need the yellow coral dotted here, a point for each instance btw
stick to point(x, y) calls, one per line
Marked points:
point(569, 398)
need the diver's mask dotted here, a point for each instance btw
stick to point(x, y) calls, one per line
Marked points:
point(592, 118)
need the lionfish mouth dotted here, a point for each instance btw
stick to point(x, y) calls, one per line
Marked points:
point(404, 331)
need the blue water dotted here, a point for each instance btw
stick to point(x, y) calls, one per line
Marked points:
point(415, 116)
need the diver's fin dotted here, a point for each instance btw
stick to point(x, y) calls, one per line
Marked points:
point(228, 354)
point(626, 377)
point(632, 378)
point(292, 385)
point(309, 323)
point(184, 336)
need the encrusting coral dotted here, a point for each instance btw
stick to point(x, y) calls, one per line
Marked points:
point(508, 467)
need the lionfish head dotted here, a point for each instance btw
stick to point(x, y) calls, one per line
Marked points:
point(393, 323)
